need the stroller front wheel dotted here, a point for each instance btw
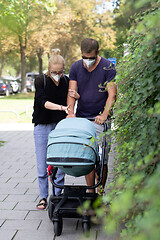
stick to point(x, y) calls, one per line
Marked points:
point(58, 226)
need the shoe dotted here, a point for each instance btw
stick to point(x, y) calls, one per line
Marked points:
point(42, 204)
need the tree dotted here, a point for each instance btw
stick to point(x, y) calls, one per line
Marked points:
point(125, 13)
point(17, 15)
point(39, 26)
point(6, 47)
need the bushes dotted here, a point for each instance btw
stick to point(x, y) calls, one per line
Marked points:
point(135, 196)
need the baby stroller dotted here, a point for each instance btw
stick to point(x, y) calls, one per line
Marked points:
point(72, 147)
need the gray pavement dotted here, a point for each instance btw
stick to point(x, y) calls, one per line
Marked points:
point(19, 218)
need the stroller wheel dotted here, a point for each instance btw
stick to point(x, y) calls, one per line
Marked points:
point(86, 228)
point(50, 208)
point(58, 226)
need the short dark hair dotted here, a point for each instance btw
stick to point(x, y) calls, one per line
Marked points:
point(88, 45)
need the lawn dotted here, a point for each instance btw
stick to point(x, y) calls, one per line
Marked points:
point(16, 108)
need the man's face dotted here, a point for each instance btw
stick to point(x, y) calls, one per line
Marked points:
point(91, 56)
point(89, 59)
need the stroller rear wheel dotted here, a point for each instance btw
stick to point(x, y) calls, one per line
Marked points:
point(86, 228)
point(50, 208)
point(86, 225)
point(58, 226)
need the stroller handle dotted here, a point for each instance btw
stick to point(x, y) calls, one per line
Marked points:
point(92, 119)
point(103, 154)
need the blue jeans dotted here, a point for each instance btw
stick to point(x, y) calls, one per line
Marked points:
point(41, 132)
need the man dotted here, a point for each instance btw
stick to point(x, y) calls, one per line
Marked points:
point(93, 77)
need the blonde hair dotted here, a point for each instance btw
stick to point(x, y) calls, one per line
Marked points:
point(55, 58)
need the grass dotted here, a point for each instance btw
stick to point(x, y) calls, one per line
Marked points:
point(16, 108)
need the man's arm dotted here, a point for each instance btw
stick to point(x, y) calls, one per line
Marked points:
point(112, 92)
point(71, 100)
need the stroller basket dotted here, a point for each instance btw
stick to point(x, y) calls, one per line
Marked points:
point(71, 147)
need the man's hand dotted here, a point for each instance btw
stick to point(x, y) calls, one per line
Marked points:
point(71, 115)
point(100, 119)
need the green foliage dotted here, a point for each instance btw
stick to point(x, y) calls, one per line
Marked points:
point(125, 12)
point(1, 143)
point(135, 196)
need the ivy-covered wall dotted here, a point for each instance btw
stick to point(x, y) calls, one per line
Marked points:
point(135, 198)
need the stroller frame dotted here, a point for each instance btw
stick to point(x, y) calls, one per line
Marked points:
point(65, 205)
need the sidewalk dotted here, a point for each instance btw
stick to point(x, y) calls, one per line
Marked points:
point(19, 218)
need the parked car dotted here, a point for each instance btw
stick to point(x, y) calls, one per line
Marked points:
point(15, 86)
point(30, 77)
point(19, 81)
point(5, 87)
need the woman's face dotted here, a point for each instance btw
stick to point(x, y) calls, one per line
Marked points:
point(56, 72)
point(56, 69)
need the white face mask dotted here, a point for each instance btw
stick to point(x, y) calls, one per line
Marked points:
point(56, 77)
point(89, 62)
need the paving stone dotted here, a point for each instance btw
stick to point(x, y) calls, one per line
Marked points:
point(8, 205)
point(22, 180)
point(8, 185)
point(34, 235)
point(3, 197)
point(12, 214)
point(14, 190)
point(32, 191)
point(38, 214)
point(7, 235)
point(23, 198)
point(26, 185)
point(4, 179)
point(2, 221)
point(19, 191)
point(26, 206)
point(21, 225)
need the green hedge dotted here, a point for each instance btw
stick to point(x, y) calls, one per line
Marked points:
point(135, 198)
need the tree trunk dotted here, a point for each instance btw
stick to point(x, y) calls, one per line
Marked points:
point(2, 65)
point(23, 67)
point(40, 61)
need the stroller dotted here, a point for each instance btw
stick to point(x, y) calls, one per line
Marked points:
point(72, 147)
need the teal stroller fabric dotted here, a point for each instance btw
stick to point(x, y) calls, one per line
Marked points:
point(72, 146)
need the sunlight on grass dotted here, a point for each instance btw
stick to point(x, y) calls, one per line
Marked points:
point(16, 108)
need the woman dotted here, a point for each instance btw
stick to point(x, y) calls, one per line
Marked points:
point(49, 108)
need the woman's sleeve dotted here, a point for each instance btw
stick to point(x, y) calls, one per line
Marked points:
point(40, 91)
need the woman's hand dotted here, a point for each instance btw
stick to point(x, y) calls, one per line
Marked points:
point(74, 94)
point(64, 108)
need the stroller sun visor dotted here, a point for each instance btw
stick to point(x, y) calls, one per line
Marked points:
point(70, 146)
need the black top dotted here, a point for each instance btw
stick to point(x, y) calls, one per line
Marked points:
point(46, 90)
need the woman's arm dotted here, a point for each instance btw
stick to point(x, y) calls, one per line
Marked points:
point(53, 106)
point(73, 93)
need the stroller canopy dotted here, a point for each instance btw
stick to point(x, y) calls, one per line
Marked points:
point(72, 146)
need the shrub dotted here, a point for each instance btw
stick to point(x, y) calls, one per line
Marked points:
point(135, 196)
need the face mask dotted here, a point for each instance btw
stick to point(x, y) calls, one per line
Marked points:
point(56, 77)
point(89, 62)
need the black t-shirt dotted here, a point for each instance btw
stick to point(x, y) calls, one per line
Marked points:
point(46, 90)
